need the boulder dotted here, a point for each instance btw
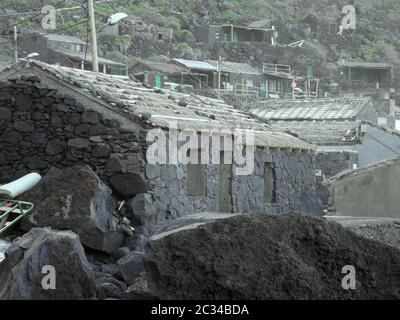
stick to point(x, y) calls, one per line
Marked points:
point(131, 266)
point(146, 211)
point(139, 290)
point(22, 272)
point(121, 252)
point(128, 185)
point(76, 200)
point(109, 287)
point(109, 290)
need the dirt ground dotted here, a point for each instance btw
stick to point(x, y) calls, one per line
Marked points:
point(384, 230)
point(271, 257)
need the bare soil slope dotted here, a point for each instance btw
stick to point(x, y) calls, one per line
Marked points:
point(274, 257)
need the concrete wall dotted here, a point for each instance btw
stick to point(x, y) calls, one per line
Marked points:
point(330, 163)
point(372, 192)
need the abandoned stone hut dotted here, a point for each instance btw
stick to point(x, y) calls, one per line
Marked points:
point(52, 116)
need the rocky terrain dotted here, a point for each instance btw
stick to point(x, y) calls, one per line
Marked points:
point(99, 254)
point(375, 38)
point(104, 248)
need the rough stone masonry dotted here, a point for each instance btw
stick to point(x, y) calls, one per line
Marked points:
point(42, 127)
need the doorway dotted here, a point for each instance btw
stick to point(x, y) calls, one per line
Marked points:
point(225, 186)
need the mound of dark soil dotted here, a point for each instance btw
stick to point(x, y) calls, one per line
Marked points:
point(274, 257)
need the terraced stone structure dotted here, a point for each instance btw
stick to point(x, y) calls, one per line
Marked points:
point(56, 117)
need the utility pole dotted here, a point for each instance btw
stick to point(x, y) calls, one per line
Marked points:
point(219, 76)
point(15, 44)
point(92, 23)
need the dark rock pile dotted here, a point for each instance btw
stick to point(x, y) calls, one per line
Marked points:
point(94, 249)
point(206, 257)
point(274, 257)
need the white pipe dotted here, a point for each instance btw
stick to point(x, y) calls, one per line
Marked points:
point(17, 187)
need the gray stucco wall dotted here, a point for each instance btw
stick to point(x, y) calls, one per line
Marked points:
point(374, 192)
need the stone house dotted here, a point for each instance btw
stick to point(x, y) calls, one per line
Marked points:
point(349, 132)
point(371, 191)
point(70, 52)
point(52, 116)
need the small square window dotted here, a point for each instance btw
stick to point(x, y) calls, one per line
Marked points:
point(196, 182)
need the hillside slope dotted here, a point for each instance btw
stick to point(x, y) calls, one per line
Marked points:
point(376, 37)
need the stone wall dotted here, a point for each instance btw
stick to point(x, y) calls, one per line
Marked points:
point(42, 128)
point(295, 188)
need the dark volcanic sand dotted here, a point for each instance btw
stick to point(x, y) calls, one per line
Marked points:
point(272, 257)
